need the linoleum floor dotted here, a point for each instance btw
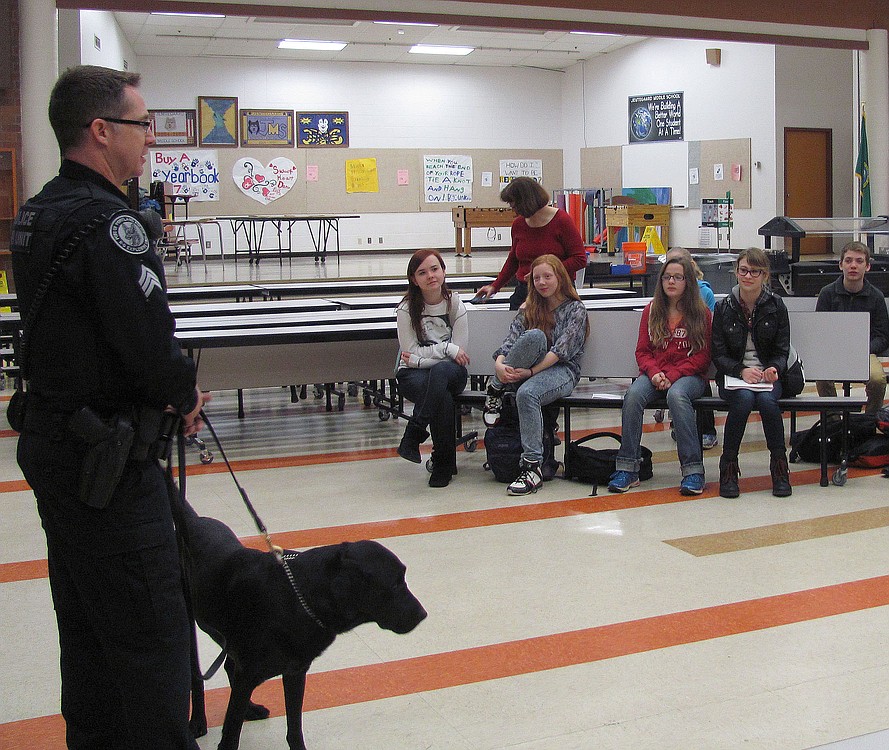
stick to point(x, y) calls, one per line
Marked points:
point(557, 621)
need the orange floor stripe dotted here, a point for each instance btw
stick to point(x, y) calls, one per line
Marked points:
point(298, 539)
point(343, 687)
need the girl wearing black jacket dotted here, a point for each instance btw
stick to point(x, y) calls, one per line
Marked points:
point(751, 342)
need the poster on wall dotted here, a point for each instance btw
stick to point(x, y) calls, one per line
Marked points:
point(512, 168)
point(266, 127)
point(218, 120)
point(322, 129)
point(174, 127)
point(447, 179)
point(656, 117)
point(362, 176)
point(264, 183)
point(193, 172)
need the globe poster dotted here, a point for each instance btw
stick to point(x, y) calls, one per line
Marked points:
point(655, 117)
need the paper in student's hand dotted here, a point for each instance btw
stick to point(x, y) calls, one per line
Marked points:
point(734, 384)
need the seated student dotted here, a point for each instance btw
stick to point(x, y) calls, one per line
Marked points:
point(854, 293)
point(433, 332)
point(540, 360)
point(708, 433)
point(673, 353)
point(751, 342)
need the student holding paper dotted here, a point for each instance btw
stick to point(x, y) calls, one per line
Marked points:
point(751, 343)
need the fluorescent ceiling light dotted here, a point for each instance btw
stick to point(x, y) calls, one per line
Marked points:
point(439, 49)
point(593, 33)
point(311, 44)
point(405, 23)
point(193, 15)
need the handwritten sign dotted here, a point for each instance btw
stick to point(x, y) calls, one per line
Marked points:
point(447, 179)
point(264, 183)
point(656, 117)
point(361, 176)
point(512, 168)
point(193, 172)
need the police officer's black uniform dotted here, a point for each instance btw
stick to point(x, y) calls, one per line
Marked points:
point(103, 338)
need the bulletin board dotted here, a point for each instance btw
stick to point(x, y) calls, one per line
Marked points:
point(328, 194)
point(601, 167)
point(668, 164)
point(727, 153)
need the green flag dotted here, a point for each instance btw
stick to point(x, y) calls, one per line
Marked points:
point(862, 172)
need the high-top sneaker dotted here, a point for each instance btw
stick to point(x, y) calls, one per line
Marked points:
point(493, 405)
point(529, 479)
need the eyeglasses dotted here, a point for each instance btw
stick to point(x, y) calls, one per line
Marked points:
point(144, 124)
point(753, 273)
point(673, 277)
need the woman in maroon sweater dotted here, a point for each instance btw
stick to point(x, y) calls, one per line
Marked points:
point(539, 229)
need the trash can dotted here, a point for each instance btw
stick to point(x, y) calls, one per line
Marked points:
point(718, 270)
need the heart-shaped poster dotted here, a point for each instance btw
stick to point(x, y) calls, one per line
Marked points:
point(264, 184)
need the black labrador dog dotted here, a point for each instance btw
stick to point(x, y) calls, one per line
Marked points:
point(275, 619)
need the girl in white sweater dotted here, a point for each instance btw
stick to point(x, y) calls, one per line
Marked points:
point(432, 336)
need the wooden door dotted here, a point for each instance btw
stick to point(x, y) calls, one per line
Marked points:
point(808, 181)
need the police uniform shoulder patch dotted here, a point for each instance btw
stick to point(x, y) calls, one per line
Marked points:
point(127, 232)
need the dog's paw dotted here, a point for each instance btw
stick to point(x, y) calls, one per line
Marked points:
point(198, 727)
point(255, 712)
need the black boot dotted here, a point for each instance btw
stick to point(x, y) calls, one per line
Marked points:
point(413, 437)
point(442, 470)
point(728, 476)
point(780, 476)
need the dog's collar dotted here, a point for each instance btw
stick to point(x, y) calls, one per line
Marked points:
point(284, 558)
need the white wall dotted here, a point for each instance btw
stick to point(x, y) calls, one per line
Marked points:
point(115, 51)
point(755, 92)
point(734, 100)
point(825, 100)
point(389, 106)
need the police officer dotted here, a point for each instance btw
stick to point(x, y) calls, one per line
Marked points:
point(102, 338)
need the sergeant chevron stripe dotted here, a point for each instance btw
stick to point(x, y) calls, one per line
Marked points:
point(149, 281)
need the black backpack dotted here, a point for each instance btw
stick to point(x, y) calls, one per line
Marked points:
point(503, 443)
point(596, 465)
point(805, 445)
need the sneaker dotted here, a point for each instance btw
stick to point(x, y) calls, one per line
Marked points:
point(529, 480)
point(621, 481)
point(492, 407)
point(709, 440)
point(693, 484)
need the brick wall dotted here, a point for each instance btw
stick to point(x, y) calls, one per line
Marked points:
point(10, 101)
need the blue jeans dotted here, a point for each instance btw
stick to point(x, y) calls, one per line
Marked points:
point(679, 400)
point(432, 390)
point(741, 402)
point(537, 391)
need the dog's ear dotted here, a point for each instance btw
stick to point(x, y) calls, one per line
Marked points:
point(341, 574)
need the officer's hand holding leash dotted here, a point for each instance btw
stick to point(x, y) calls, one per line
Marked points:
point(192, 423)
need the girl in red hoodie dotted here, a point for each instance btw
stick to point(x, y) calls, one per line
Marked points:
point(673, 353)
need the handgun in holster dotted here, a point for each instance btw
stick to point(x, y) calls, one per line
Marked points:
point(109, 442)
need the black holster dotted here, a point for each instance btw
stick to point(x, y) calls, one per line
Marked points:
point(155, 430)
point(15, 410)
point(109, 443)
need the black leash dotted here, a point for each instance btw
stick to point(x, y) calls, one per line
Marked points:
point(283, 560)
